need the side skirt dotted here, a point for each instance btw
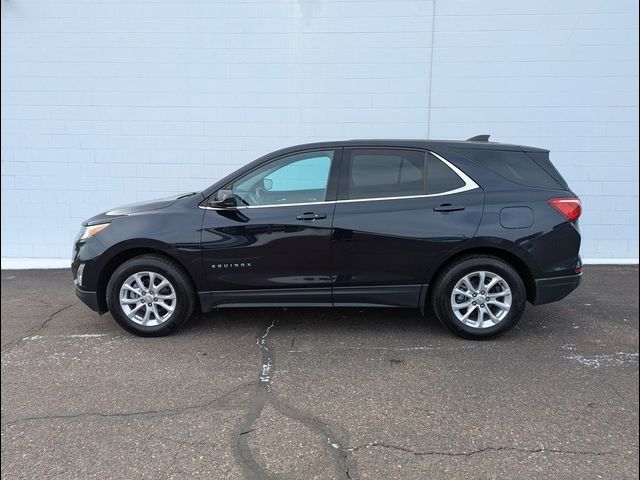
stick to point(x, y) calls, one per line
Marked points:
point(281, 297)
point(407, 296)
point(402, 296)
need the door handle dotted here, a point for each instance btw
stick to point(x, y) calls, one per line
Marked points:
point(447, 207)
point(311, 216)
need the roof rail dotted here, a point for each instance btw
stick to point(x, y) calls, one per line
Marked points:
point(479, 138)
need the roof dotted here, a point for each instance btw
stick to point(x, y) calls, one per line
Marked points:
point(412, 143)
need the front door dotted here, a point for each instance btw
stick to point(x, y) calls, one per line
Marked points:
point(398, 213)
point(274, 246)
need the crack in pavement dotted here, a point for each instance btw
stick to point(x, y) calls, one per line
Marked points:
point(10, 346)
point(186, 443)
point(264, 397)
point(476, 452)
point(151, 413)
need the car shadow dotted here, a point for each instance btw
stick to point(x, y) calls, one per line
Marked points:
point(316, 319)
point(354, 322)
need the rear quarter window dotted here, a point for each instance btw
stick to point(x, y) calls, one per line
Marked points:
point(542, 159)
point(515, 166)
point(440, 178)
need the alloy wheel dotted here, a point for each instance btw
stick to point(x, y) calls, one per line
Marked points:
point(148, 298)
point(481, 299)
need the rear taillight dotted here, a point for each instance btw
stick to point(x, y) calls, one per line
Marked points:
point(569, 208)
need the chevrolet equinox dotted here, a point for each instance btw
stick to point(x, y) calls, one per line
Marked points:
point(471, 229)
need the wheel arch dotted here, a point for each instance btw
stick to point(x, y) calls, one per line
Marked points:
point(505, 255)
point(127, 254)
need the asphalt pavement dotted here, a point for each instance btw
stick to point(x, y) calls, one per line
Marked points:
point(319, 393)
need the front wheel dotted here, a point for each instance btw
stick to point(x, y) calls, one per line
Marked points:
point(150, 295)
point(479, 297)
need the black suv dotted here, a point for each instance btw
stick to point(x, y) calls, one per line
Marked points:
point(471, 229)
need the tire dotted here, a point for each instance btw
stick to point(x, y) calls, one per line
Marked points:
point(493, 316)
point(137, 274)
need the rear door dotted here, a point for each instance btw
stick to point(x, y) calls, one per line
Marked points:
point(398, 212)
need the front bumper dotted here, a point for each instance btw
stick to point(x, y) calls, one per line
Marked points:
point(90, 299)
point(553, 289)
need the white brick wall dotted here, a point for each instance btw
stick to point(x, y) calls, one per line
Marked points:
point(562, 75)
point(107, 102)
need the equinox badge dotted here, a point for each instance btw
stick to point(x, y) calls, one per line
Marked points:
point(231, 265)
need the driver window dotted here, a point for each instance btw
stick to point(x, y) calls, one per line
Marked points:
point(299, 178)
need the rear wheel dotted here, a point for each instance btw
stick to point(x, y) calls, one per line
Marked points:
point(479, 297)
point(150, 295)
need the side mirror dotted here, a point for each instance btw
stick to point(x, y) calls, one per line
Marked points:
point(268, 184)
point(223, 198)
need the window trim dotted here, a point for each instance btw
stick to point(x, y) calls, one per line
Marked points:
point(469, 183)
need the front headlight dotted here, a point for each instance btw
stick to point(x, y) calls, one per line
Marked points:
point(92, 230)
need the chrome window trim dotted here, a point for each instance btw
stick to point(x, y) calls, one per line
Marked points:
point(469, 184)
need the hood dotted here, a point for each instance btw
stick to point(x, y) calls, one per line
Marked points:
point(134, 208)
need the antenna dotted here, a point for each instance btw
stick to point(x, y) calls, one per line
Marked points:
point(479, 138)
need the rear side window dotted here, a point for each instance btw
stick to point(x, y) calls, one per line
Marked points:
point(515, 166)
point(379, 173)
point(386, 173)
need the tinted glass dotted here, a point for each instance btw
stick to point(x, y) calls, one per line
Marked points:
point(542, 159)
point(440, 178)
point(386, 173)
point(515, 166)
point(298, 178)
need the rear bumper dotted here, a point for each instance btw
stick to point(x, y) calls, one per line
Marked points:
point(90, 299)
point(553, 289)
